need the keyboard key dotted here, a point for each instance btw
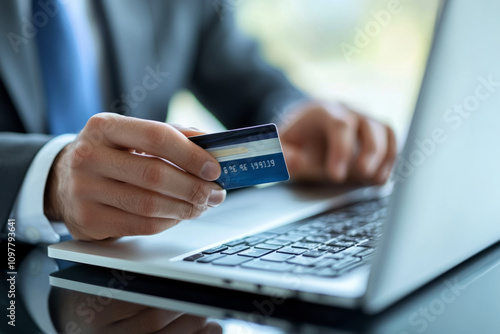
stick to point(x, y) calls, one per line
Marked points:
point(250, 241)
point(299, 233)
point(371, 243)
point(306, 245)
point(277, 257)
point(357, 240)
point(324, 262)
point(331, 249)
point(303, 261)
point(341, 243)
point(234, 242)
point(231, 260)
point(318, 239)
point(353, 250)
point(265, 235)
point(366, 252)
point(210, 258)
point(266, 265)
point(291, 250)
point(337, 229)
point(215, 249)
point(308, 229)
point(289, 237)
point(336, 256)
point(268, 246)
point(234, 250)
point(277, 242)
point(255, 252)
point(193, 257)
point(313, 253)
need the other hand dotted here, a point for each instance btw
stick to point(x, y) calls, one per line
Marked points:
point(331, 142)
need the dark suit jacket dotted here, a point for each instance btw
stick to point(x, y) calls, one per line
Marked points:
point(194, 41)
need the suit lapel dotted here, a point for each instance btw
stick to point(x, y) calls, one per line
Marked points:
point(19, 66)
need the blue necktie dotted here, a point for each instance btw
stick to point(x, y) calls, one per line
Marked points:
point(70, 86)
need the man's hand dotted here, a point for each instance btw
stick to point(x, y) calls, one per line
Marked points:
point(331, 142)
point(127, 176)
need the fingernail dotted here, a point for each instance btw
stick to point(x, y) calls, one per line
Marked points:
point(210, 171)
point(216, 197)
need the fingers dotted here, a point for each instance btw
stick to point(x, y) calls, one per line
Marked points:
point(341, 136)
point(97, 221)
point(187, 131)
point(157, 139)
point(329, 141)
point(154, 174)
point(319, 144)
point(298, 163)
point(385, 168)
point(145, 203)
point(373, 144)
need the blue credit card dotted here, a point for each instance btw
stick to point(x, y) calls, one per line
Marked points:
point(247, 156)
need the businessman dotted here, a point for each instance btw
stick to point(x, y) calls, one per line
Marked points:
point(126, 172)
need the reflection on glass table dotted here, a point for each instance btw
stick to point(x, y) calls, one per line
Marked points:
point(465, 300)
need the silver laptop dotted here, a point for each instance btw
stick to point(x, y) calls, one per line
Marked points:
point(357, 248)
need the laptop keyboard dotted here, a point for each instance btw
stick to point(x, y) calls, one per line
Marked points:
point(327, 245)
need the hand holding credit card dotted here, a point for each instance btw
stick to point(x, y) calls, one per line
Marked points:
point(247, 156)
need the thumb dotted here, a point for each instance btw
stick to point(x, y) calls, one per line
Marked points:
point(295, 161)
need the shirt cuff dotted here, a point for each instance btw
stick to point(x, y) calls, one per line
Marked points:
point(32, 226)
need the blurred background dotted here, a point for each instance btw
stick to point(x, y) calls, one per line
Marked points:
point(370, 54)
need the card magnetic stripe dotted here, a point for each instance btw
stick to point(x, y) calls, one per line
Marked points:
point(246, 150)
point(232, 137)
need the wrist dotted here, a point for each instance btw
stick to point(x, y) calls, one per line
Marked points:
point(51, 203)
